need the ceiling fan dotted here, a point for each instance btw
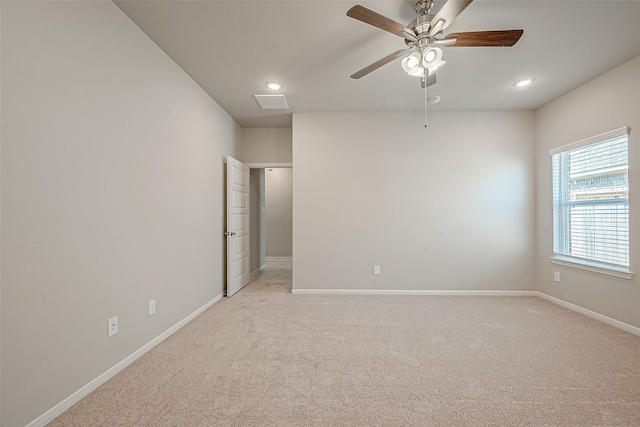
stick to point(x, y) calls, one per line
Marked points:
point(423, 56)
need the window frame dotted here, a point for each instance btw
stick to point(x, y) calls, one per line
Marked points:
point(573, 261)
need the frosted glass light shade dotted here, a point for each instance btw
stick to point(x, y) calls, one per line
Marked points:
point(436, 67)
point(432, 57)
point(411, 64)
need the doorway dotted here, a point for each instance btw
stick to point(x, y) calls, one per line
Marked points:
point(271, 205)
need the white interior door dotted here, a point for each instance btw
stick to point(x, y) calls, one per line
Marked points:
point(238, 273)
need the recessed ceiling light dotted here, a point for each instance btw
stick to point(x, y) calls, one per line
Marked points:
point(274, 85)
point(524, 82)
point(434, 99)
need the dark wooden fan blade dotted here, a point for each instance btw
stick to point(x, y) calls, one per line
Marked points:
point(485, 38)
point(379, 63)
point(372, 18)
point(447, 14)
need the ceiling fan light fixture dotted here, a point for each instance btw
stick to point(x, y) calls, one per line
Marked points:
point(416, 72)
point(524, 82)
point(432, 57)
point(429, 55)
point(435, 68)
point(432, 60)
point(411, 65)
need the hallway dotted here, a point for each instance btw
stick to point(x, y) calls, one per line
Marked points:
point(277, 273)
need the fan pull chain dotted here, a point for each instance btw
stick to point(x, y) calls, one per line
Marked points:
point(425, 102)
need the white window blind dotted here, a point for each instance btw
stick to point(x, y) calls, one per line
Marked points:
point(591, 200)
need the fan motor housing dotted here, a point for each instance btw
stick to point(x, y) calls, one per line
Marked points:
point(423, 6)
point(420, 26)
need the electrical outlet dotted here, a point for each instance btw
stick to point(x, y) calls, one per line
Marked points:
point(113, 326)
point(376, 269)
point(152, 307)
point(556, 276)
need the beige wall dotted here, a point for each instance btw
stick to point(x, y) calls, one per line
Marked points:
point(443, 208)
point(278, 212)
point(606, 103)
point(112, 195)
point(266, 145)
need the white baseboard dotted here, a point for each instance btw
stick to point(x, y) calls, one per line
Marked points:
point(279, 258)
point(413, 292)
point(255, 272)
point(597, 316)
point(67, 403)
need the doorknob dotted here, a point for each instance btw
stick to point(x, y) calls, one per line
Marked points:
point(229, 233)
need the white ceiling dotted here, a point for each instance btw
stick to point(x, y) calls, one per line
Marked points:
point(231, 48)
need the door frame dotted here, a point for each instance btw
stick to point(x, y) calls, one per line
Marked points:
point(269, 165)
point(253, 165)
point(266, 166)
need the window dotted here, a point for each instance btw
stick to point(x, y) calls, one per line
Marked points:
point(591, 201)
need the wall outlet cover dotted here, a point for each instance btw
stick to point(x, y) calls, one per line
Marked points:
point(113, 326)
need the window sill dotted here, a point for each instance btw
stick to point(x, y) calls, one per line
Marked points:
point(592, 266)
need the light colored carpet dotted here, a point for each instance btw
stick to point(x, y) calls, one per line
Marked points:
point(265, 357)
